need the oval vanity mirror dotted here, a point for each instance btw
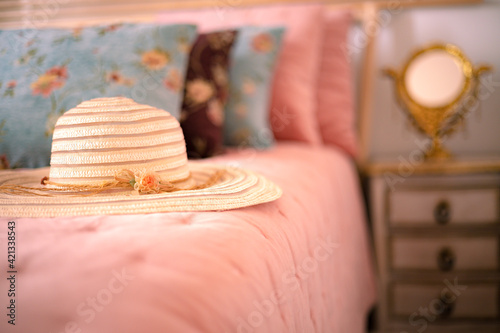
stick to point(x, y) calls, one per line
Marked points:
point(435, 78)
point(436, 88)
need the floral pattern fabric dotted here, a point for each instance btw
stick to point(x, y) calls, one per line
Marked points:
point(205, 94)
point(250, 75)
point(46, 72)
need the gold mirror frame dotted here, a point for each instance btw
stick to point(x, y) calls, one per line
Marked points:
point(437, 122)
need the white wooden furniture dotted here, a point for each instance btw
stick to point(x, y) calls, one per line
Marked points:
point(437, 230)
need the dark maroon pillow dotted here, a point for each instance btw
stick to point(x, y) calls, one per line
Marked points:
point(205, 94)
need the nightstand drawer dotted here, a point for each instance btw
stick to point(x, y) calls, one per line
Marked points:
point(453, 206)
point(452, 299)
point(445, 254)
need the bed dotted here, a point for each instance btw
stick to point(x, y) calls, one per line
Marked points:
point(302, 263)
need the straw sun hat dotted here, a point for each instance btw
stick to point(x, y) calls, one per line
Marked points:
point(114, 156)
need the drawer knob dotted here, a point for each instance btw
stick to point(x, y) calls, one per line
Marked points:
point(446, 259)
point(442, 212)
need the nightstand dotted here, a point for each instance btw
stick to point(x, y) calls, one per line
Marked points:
point(436, 231)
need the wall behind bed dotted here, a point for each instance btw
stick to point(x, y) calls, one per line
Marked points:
point(37, 13)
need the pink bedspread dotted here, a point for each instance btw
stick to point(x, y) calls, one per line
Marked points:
point(299, 264)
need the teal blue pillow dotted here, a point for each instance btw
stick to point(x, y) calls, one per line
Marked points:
point(46, 72)
point(253, 57)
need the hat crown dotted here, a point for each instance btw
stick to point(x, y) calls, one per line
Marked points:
point(102, 136)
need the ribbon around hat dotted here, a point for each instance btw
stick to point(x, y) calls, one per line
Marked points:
point(142, 182)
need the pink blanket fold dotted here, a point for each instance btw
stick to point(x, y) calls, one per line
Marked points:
point(299, 264)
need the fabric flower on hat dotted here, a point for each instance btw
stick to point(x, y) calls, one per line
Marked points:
point(147, 182)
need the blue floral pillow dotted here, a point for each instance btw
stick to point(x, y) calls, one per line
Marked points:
point(253, 58)
point(46, 72)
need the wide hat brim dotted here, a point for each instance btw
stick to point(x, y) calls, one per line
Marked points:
point(236, 188)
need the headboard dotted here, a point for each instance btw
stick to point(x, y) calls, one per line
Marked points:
point(41, 14)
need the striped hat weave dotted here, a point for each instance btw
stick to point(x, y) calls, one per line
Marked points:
point(100, 137)
point(114, 156)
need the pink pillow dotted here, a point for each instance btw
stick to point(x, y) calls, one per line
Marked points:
point(294, 101)
point(336, 115)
